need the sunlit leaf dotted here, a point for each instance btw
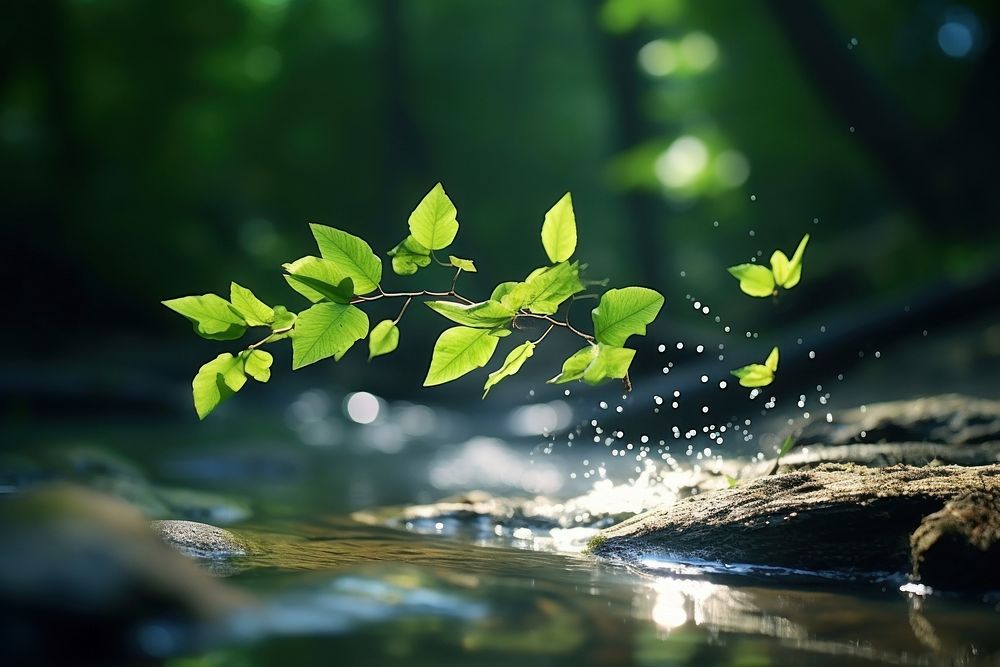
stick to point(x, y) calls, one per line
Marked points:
point(755, 280)
point(326, 330)
point(282, 318)
point(457, 351)
point(609, 363)
point(781, 268)
point(786, 446)
point(502, 290)
point(464, 264)
point(351, 255)
point(383, 339)
point(625, 312)
point(257, 364)
point(483, 315)
point(342, 292)
point(795, 271)
point(559, 230)
point(212, 316)
point(511, 365)
point(216, 381)
point(575, 365)
point(315, 268)
point(544, 290)
point(772, 360)
point(253, 310)
point(754, 375)
point(409, 256)
point(434, 222)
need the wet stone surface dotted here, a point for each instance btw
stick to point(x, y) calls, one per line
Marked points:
point(202, 540)
point(832, 518)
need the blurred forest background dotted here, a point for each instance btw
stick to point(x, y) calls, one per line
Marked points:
point(157, 149)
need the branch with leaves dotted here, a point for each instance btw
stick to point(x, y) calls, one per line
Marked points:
point(347, 274)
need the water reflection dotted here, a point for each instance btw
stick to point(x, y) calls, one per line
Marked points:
point(886, 627)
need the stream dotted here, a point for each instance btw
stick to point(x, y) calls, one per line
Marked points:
point(344, 575)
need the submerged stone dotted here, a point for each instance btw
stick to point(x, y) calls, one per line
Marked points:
point(201, 540)
point(834, 517)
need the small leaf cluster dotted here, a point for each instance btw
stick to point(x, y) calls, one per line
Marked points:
point(759, 281)
point(347, 274)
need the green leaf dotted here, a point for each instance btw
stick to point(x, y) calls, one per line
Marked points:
point(781, 268)
point(624, 312)
point(609, 363)
point(351, 255)
point(464, 264)
point(213, 317)
point(544, 290)
point(483, 315)
point(595, 364)
point(559, 230)
point(553, 286)
point(216, 381)
point(511, 365)
point(326, 330)
point(383, 339)
point(574, 367)
point(282, 318)
point(795, 265)
point(772, 360)
point(786, 446)
point(457, 351)
point(342, 292)
point(754, 375)
point(257, 364)
point(408, 256)
point(315, 268)
point(253, 310)
point(755, 280)
point(434, 222)
point(501, 290)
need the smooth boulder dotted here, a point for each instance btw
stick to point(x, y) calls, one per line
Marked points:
point(201, 540)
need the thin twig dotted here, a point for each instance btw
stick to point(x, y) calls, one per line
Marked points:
point(551, 327)
point(402, 310)
point(558, 323)
point(269, 336)
point(438, 261)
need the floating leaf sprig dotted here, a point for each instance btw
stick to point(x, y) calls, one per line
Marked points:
point(759, 375)
point(760, 281)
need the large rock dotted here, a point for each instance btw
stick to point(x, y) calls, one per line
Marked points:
point(834, 517)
